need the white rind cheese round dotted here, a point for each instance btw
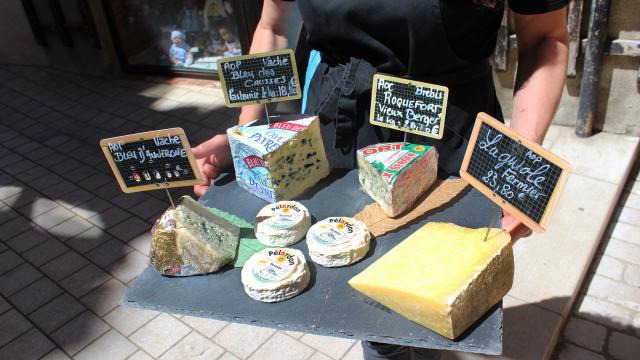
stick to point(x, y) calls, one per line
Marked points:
point(338, 241)
point(275, 274)
point(282, 223)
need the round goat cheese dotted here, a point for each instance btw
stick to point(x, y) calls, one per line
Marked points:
point(275, 274)
point(338, 241)
point(282, 223)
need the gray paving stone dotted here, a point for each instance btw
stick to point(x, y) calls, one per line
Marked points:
point(70, 228)
point(623, 251)
point(64, 265)
point(629, 216)
point(331, 346)
point(31, 345)
point(57, 140)
point(96, 181)
point(110, 346)
point(56, 354)
point(160, 334)
point(129, 228)
point(627, 232)
point(205, 326)
point(108, 252)
point(56, 313)
point(193, 346)
point(84, 280)
point(9, 260)
point(75, 198)
point(150, 208)
point(91, 207)
point(4, 305)
point(48, 250)
point(13, 325)
point(16, 142)
point(105, 298)
point(6, 214)
point(242, 340)
point(32, 174)
point(13, 158)
point(53, 217)
point(586, 334)
point(18, 278)
point(615, 292)
point(28, 239)
point(19, 167)
point(10, 190)
point(129, 267)
point(108, 191)
point(610, 267)
point(605, 313)
point(572, 352)
point(109, 218)
point(282, 346)
point(623, 346)
point(35, 295)
point(127, 319)
point(38, 206)
point(89, 239)
point(632, 275)
point(142, 243)
point(59, 190)
point(79, 332)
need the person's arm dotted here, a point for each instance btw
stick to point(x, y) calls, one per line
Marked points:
point(542, 67)
point(214, 154)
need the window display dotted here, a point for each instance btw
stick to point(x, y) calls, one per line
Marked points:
point(184, 35)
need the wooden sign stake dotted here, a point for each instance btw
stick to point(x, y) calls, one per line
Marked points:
point(266, 110)
point(491, 222)
point(173, 206)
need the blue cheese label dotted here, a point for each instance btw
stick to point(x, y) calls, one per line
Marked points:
point(275, 266)
point(334, 231)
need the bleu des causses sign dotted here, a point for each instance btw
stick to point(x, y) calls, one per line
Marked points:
point(517, 174)
point(408, 105)
point(151, 160)
point(259, 78)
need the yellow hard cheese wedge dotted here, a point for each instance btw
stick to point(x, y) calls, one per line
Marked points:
point(443, 276)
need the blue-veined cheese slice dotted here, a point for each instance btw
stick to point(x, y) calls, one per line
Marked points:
point(395, 175)
point(278, 161)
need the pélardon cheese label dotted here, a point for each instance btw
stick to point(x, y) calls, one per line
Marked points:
point(334, 232)
point(284, 216)
point(391, 159)
point(277, 265)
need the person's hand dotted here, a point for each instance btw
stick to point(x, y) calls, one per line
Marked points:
point(514, 227)
point(212, 157)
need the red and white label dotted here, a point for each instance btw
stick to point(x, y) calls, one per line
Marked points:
point(288, 126)
point(254, 161)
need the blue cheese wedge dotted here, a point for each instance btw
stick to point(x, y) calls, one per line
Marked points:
point(282, 223)
point(278, 161)
point(395, 175)
point(338, 241)
point(275, 274)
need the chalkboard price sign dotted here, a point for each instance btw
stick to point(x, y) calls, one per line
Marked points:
point(151, 160)
point(517, 174)
point(259, 78)
point(408, 105)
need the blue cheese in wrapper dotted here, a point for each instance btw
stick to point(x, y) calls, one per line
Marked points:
point(191, 240)
point(278, 161)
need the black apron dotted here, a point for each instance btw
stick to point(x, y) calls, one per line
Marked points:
point(340, 90)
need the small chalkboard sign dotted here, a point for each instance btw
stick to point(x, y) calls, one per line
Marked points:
point(151, 160)
point(259, 78)
point(410, 106)
point(517, 174)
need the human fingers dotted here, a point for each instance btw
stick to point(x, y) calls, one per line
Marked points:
point(210, 147)
point(515, 227)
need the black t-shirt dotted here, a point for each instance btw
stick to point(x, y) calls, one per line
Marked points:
point(470, 26)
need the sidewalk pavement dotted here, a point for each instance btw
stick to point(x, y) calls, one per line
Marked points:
point(71, 242)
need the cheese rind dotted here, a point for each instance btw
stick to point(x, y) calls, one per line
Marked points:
point(278, 161)
point(443, 276)
point(191, 240)
point(338, 241)
point(395, 175)
point(282, 223)
point(275, 274)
